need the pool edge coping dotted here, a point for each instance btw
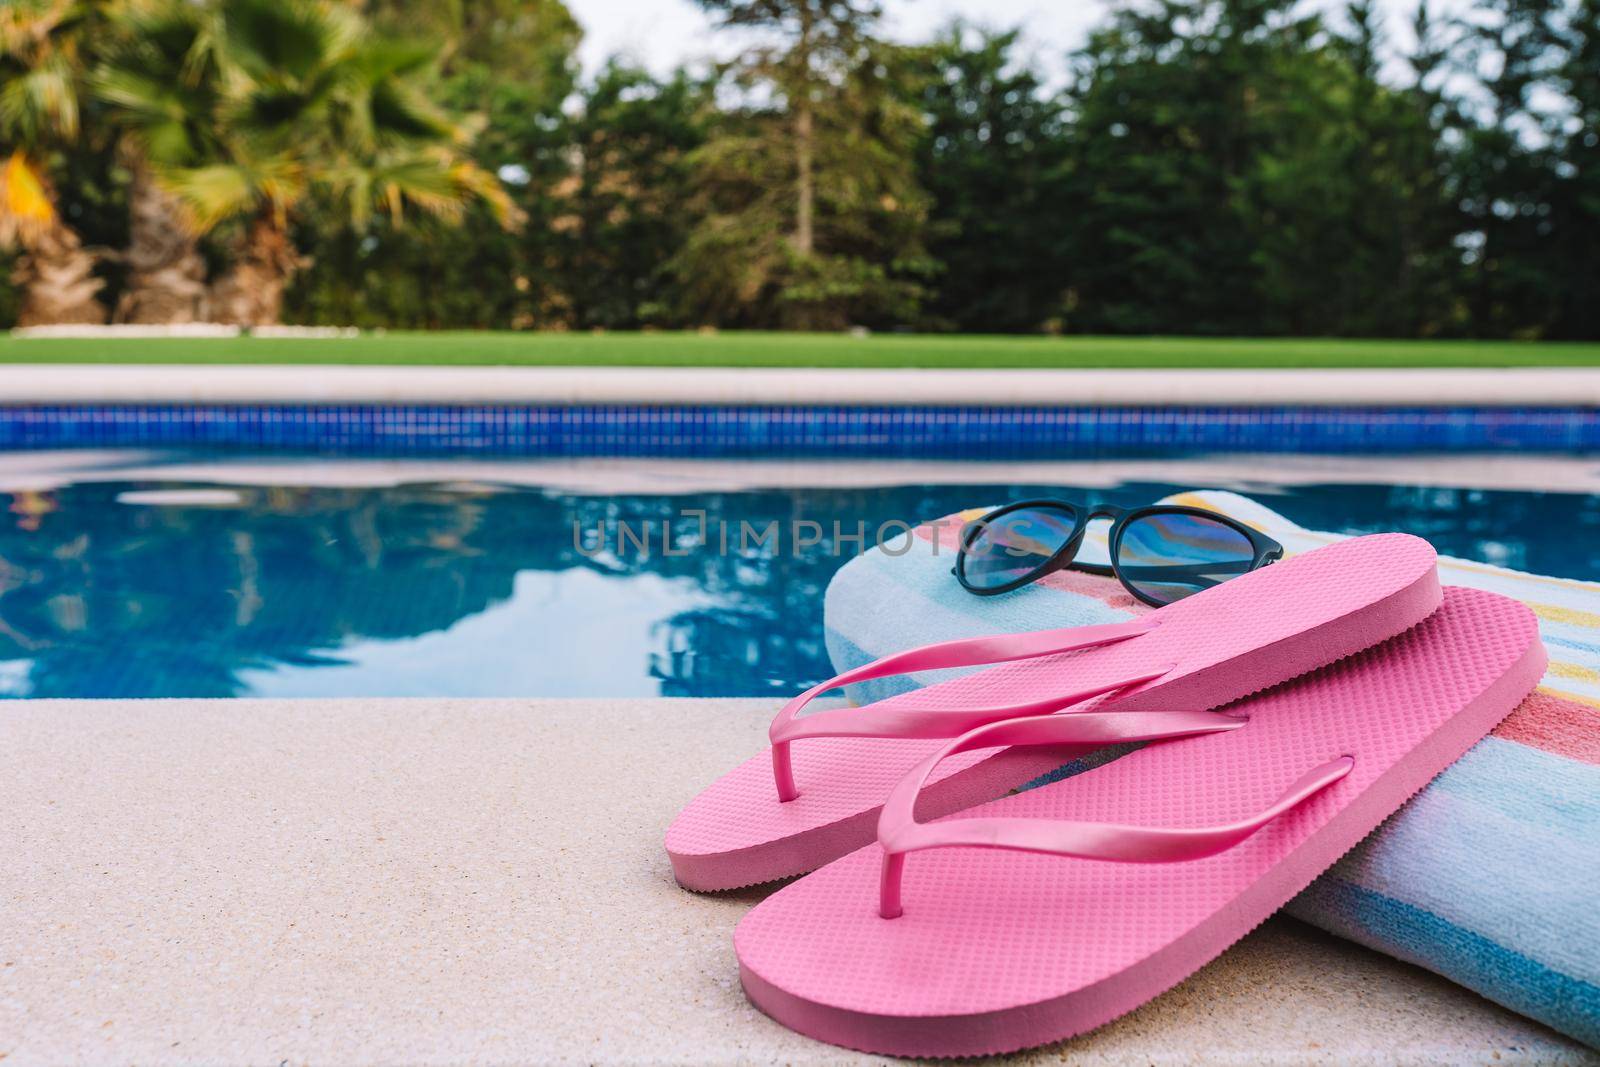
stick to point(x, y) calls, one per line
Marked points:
point(348, 384)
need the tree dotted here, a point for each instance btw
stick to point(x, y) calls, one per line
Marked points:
point(1431, 229)
point(621, 215)
point(1508, 166)
point(809, 211)
point(1351, 222)
point(317, 110)
point(42, 65)
point(991, 157)
point(474, 271)
point(1239, 167)
point(1168, 103)
point(1576, 207)
point(163, 84)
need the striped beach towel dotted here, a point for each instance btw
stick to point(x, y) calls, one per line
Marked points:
point(1490, 876)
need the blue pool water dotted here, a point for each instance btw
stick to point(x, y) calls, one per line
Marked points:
point(176, 589)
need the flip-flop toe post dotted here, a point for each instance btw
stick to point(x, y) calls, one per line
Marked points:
point(816, 793)
point(1050, 912)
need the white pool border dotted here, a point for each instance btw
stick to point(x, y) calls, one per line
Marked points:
point(333, 384)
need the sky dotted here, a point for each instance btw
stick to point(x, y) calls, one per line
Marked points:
point(663, 34)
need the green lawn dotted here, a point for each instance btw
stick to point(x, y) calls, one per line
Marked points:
point(803, 350)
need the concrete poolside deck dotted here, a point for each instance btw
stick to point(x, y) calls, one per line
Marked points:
point(449, 881)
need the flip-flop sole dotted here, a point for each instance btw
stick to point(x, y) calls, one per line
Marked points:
point(1240, 637)
point(999, 951)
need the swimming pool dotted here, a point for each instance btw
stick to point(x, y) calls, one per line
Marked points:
point(178, 584)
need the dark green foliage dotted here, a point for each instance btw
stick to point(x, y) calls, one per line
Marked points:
point(529, 42)
point(478, 273)
point(623, 213)
point(1530, 168)
point(1167, 105)
point(1238, 169)
point(1506, 168)
point(1576, 212)
point(599, 189)
point(423, 275)
point(992, 158)
point(1222, 167)
point(10, 297)
point(1351, 220)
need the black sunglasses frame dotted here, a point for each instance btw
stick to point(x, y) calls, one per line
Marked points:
point(1266, 549)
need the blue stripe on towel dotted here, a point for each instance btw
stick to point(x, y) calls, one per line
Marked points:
point(1417, 858)
point(1418, 936)
point(1552, 792)
point(1569, 643)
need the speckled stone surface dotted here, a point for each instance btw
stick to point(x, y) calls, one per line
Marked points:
point(455, 881)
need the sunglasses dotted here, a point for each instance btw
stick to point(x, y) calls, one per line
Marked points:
point(1159, 553)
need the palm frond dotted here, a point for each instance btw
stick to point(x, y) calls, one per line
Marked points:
point(160, 79)
point(382, 58)
point(401, 111)
point(41, 100)
point(289, 40)
point(173, 39)
point(486, 187)
point(215, 193)
point(141, 95)
point(430, 182)
point(242, 106)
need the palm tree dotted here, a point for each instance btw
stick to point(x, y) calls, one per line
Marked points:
point(314, 109)
point(162, 84)
point(41, 72)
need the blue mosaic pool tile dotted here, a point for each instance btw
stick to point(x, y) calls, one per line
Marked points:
point(802, 431)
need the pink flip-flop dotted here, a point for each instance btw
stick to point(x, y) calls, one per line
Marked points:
point(797, 806)
point(1050, 912)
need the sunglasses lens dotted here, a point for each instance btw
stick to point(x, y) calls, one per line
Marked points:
point(1008, 548)
point(1168, 556)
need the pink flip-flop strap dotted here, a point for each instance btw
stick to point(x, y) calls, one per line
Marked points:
point(899, 833)
point(968, 652)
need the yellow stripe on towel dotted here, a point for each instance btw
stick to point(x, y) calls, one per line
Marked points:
point(1574, 671)
point(1571, 616)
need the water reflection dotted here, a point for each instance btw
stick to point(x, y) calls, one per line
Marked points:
point(472, 591)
